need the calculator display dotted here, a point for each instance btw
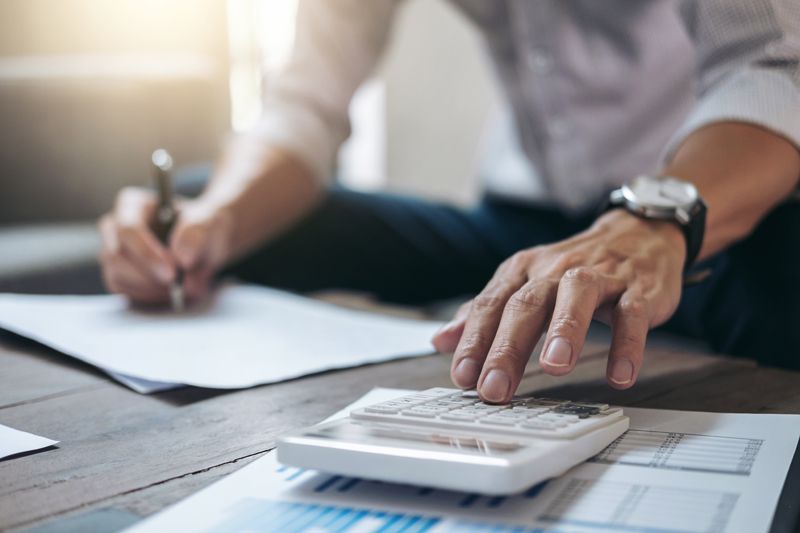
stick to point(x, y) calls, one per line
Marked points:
point(363, 433)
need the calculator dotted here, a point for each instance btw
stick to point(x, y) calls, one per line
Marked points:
point(450, 439)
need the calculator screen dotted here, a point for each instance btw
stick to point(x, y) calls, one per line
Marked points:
point(358, 432)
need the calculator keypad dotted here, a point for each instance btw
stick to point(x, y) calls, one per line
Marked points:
point(455, 409)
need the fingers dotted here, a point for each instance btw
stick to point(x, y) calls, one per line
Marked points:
point(580, 292)
point(446, 339)
point(523, 321)
point(631, 323)
point(127, 231)
point(199, 244)
point(481, 325)
point(136, 264)
point(123, 277)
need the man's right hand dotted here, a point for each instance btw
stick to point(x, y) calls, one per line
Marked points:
point(137, 265)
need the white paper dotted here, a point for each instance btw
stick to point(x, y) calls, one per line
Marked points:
point(14, 441)
point(244, 336)
point(673, 472)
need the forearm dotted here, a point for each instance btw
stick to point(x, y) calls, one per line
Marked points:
point(262, 189)
point(742, 171)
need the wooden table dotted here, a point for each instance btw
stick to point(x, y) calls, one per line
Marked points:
point(127, 455)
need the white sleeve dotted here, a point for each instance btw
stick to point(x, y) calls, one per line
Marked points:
point(337, 44)
point(748, 60)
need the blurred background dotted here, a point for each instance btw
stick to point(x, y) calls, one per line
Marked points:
point(89, 88)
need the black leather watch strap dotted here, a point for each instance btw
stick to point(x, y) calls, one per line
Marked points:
point(694, 232)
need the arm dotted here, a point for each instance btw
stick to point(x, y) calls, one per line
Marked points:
point(740, 144)
point(266, 179)
point(742, 171)
point(271, 176)
point(739, 147)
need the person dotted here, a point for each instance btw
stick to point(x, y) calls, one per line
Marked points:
point(699, 99)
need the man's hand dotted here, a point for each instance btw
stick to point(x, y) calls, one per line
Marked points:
point(137, 265)
point(624, 271)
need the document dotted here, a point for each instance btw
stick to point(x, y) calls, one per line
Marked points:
point(672, 472)
point(14, 441)
point(243, 336)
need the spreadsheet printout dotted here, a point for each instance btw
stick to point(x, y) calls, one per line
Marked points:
point(673, 472)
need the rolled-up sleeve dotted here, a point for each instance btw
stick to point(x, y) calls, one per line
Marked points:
point(337, 44)
point(748, 60)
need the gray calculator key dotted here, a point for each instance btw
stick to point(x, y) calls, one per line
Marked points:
point(498, 421)
point(418, 414)
point(556, 417)
point(535, 423)
point(461, 417)
point(379, 409)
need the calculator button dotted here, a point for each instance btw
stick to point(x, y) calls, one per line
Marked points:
point(378, 409)
point(541, 424)
point(530, 411)
point(419, 414)
point(457, 401)
point(458, 417)
point(437, 391)
point(582, 411)
point(498, 421)
point(556, 417)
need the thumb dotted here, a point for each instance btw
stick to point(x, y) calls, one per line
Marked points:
point(189, 245)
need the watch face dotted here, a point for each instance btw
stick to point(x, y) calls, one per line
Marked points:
point(660, 192)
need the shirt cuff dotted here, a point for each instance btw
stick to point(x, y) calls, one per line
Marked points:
point(302, 133)
point(762, 97)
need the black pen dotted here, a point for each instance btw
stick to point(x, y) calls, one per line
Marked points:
point(166, 216)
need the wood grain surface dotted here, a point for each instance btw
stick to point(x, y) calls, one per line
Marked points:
point(126, 451)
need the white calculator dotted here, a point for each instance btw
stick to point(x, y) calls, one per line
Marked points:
point(449, 439)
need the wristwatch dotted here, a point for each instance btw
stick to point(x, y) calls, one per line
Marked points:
point(666, 198)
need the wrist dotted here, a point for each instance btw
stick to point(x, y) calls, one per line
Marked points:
point(622, 220)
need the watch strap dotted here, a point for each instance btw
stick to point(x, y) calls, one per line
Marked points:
point(694, 232)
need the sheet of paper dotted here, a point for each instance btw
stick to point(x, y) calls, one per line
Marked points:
point(14, 441)
point(244, 336)
point(673, 472)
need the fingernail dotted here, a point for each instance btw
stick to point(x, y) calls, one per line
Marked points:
point(495, 386)
point(164, 273)
point(621, 371)
point(559, 353)
point(466, 373)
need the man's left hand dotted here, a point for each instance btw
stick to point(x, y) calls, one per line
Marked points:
point(624, 271)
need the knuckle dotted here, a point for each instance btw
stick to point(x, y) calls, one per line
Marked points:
point(531, 298)
point(475, 344)
point(633, 307)
point(487, 301)
point(582, 275)
point(508, 351)
point(565, 324)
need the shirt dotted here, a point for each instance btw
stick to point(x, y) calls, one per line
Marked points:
point(598, 91)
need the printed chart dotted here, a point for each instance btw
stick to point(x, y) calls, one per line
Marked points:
point(634, 507)
point(682, 451)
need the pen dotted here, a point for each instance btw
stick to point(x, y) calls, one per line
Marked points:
point(166, 216)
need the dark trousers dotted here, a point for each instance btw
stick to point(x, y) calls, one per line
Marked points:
point(412, 251)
